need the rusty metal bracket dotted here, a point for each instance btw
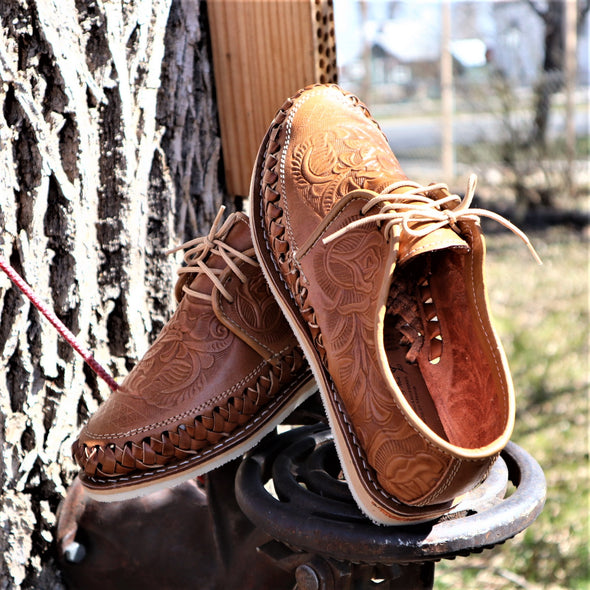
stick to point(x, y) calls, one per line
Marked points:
point(291, 488)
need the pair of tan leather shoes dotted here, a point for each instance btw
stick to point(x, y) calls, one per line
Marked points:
point(347, 272)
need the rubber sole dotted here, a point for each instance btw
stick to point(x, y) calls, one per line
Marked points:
point(139, 484)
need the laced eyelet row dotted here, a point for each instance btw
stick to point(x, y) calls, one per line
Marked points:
point(406, 209)
point(201, 249)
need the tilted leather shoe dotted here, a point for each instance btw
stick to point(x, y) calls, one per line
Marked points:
point(225, 370)
point(382, 282)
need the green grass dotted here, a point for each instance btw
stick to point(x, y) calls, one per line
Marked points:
point(541, 314)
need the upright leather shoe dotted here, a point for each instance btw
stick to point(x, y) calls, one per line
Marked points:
point(382, 282)
point(225, 370)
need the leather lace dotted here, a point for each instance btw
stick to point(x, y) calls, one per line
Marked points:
point(400, 210)
point(199, 252)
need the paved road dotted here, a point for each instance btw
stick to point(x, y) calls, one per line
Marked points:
point(407, 134)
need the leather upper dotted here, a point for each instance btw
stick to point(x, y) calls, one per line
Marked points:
point(396, 314)
point(215, 364)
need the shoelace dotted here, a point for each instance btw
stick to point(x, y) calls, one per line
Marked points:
point(402, 209)
point(201, 249)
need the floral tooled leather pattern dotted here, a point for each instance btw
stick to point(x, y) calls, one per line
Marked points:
point(332, 163)
point(257, 309)
point(348, 284)
point(348, 272)
point(254, 315)
point(404, 464)
point(175, 365)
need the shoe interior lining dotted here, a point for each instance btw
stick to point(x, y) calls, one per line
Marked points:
point(409, 379)
point(460, 396)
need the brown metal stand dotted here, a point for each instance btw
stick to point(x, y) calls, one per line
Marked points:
point(291, 488)
point(289, 522)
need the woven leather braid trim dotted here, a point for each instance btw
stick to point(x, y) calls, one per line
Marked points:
point(190, 440)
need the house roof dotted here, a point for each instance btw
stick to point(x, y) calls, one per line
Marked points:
point(409, 40)
point(469, 52)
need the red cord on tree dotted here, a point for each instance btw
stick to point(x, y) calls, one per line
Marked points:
point(58, 324)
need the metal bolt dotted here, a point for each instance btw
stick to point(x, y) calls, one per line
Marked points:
point(307, 578)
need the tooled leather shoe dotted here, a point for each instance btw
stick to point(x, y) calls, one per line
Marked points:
point(223, 372)
point(382, 282)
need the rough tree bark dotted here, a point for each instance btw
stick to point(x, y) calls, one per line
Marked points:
point(109, 155)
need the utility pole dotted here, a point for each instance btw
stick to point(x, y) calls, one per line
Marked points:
point(367, 82)
point(570, 88)
point(446, 82)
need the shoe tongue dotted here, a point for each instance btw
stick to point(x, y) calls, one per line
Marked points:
point(237, 235)
point(438, 239)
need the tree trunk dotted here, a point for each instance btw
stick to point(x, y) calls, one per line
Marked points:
point(109, 155)
point(552, 75)
point(553, 15)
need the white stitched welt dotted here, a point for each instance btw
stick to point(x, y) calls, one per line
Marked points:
point(449, 478)
point(185, 414)
point(209, 450)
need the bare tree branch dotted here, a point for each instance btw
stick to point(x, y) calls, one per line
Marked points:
point(537, 9)
point(583, 8)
